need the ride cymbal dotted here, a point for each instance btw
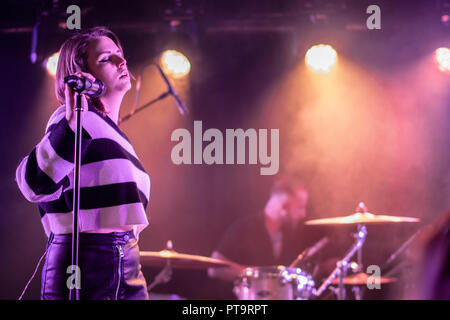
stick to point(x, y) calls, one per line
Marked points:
point(361, 218)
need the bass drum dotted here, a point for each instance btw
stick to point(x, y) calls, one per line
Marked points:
point(274, 283)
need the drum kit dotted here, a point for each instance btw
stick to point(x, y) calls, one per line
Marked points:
point(281, 282)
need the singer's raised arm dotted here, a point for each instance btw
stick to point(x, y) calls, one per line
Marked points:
point(43, 174)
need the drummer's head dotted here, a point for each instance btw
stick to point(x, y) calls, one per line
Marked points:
point(294, 197)
point(276, 206)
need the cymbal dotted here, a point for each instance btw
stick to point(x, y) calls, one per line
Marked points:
point(361, 279)
point(361, 218)
point(179, 260)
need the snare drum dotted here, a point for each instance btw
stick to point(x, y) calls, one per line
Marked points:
point(274, 283)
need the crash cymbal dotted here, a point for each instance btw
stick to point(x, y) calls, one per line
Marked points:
point(179, 260)
point(361, 279)
point(361, 218)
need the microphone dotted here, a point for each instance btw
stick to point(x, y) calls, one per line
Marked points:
point(85, 86)
point(180, 105)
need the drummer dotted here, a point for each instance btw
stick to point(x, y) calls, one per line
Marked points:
point(275, 237)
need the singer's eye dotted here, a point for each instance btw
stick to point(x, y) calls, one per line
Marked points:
point(105, 60)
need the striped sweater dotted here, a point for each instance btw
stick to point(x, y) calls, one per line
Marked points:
point(114, 187)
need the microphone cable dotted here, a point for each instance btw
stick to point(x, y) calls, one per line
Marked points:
point(34, 273)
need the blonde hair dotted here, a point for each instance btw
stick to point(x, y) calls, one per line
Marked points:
point(73, 58)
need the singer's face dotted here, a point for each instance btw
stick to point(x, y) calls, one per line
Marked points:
point(106, 63)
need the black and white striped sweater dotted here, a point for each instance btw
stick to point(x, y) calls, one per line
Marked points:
point(114, 187)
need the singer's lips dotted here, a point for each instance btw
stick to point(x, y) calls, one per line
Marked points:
point(124, 74)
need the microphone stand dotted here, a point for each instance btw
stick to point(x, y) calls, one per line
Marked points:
point(128, 116)
point(400, 250)
point(74, 293)
point(135, 110)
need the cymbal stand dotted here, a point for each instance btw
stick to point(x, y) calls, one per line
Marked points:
point(165, 274)
point(342, 265)
point(356, 289)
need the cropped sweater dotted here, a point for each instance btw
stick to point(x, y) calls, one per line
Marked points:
point(114, 186)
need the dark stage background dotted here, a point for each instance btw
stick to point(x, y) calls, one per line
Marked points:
point(375, 130)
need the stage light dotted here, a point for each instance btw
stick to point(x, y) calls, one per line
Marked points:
point(321, 58)
point(445, 19)
point(51, 64)
point(175, 63)
point(442, 57)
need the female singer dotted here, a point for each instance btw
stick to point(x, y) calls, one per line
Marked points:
point(114, 187)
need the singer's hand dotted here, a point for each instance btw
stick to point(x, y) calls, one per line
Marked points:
point(70, 100)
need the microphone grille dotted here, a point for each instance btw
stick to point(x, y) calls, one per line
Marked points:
point(99, 89)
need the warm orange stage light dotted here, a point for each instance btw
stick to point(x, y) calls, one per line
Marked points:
point(321, 58)
point(51, 64)
point(175, 63)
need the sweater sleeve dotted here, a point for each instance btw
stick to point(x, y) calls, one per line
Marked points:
point(42, 175)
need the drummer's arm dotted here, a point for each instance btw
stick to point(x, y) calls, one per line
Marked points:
point(230, 273)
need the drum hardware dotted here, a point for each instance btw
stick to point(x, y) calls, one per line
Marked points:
point(342, 266)
point(309, 252)
point(340, 271)
point(165, 274)
point(360, 218)
point(355, 267)
point(393, 269)
point(360, 279)
point(273, 283)
point(169, 259)
point(280, 282)
point(269, 283)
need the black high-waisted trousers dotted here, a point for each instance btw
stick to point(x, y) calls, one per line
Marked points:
point(108, 266)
